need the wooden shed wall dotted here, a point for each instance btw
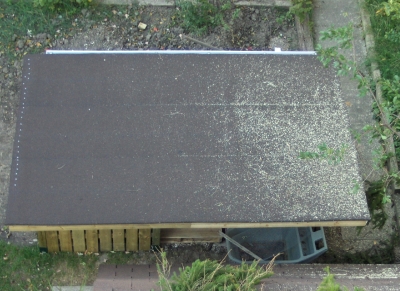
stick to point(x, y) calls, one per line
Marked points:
point(132, 240)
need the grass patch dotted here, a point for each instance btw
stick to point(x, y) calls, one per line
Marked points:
point(202, 16)
point(22, 20)
point(387, 40)
point(386, 30)
point(25, 268)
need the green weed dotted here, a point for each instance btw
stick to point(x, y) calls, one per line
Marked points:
point(333, 156)
point(62, 5)
point(201, 16)
point(301, 8)
point(329, 283)
point(20, 20)
point(391, 9)
point(198, 16)
point(25, 268)
point(386, 34)
point(212, 275)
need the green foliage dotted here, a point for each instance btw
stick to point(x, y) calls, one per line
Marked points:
point(199, 16)
point(329, 283)
point(332, 55)
point(356, 187)
point(390, 9)
point(377, 198)
point(386, 36)
point(235, 13)
point(284, 17)
point(343, 36)
point(25, 268)
point(386, 113)
point(301, 8)
point(391, 91)
point(61, 4)
point(333, 156)
point(19, 19)
point(393, 35)
point(385, 25)
point(212, 275)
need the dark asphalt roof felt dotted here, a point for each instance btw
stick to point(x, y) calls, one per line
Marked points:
point(115, 139)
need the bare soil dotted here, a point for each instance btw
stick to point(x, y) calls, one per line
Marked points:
point(260, 28)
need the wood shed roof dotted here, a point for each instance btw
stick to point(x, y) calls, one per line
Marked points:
point(187, 138)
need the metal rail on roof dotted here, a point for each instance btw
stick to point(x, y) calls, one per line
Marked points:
point(172, 52)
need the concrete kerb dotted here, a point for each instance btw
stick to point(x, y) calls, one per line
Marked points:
point(389, 146)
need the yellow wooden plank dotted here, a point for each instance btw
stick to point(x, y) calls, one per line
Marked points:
point(132, 240)
point(188, 225)
point(188, 235)
point(196, 233)
point(78, 239)
point(144, 239)
point(118, 240)
point(52, 241)
point(105, 240)
point(41, 237)
point(65, 240)
point(155, 236)
point(92, 241)
point(190, 240)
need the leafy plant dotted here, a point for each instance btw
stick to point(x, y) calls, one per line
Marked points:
point(386, 112)
point(212, 275)
point(377, 198)
point(284, 17)
point(199, 16)
point(61, 4)
point(329, 283)
point(333, 156)
point(393, 35)
point(385, 30)
point(390, 8)
point(301, 8)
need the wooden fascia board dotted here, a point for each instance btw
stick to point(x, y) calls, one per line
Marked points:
point(186, 225)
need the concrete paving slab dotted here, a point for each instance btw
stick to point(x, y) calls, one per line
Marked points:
point(300, 277)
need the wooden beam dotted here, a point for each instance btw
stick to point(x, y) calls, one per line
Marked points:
point(188, 225)
point(144, 239)
point(186, 235)
point(41, 237)
point(65, 240)
point(304, 32)
point(155, 236)
point(118, 236)
point(92, 241)
point(105, 240)
point(52, 241)
point(78, 240)
point(132, 240)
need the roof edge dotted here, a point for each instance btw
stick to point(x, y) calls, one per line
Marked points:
point(188, 225)
point(181, 52)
